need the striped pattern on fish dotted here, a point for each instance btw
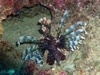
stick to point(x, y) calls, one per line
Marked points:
point(35, 55)
point(72, 39)
point(27, 51)
point(71, 28)
point(75, 38)
point(75, 33)
point(68, 39)
point(72, 47)
point(65, 15)
point(25, 39)
point(73, 42)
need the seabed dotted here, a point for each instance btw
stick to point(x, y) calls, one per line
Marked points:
point(85, 61)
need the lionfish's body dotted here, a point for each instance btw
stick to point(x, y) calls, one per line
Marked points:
point(67, 40)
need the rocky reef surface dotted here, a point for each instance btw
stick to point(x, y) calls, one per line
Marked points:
point(83, 61)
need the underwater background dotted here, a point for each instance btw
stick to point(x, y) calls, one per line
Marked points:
point(22, 19)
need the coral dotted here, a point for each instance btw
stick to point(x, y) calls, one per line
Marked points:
point(9, 57)
point(29, 67)
point(68, 40)
point(8, 7)
point(43, 73)
point(56, 70)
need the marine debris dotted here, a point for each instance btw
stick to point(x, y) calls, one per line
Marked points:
point(68, 40)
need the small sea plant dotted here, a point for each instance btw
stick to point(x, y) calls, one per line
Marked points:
point(68, 40)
